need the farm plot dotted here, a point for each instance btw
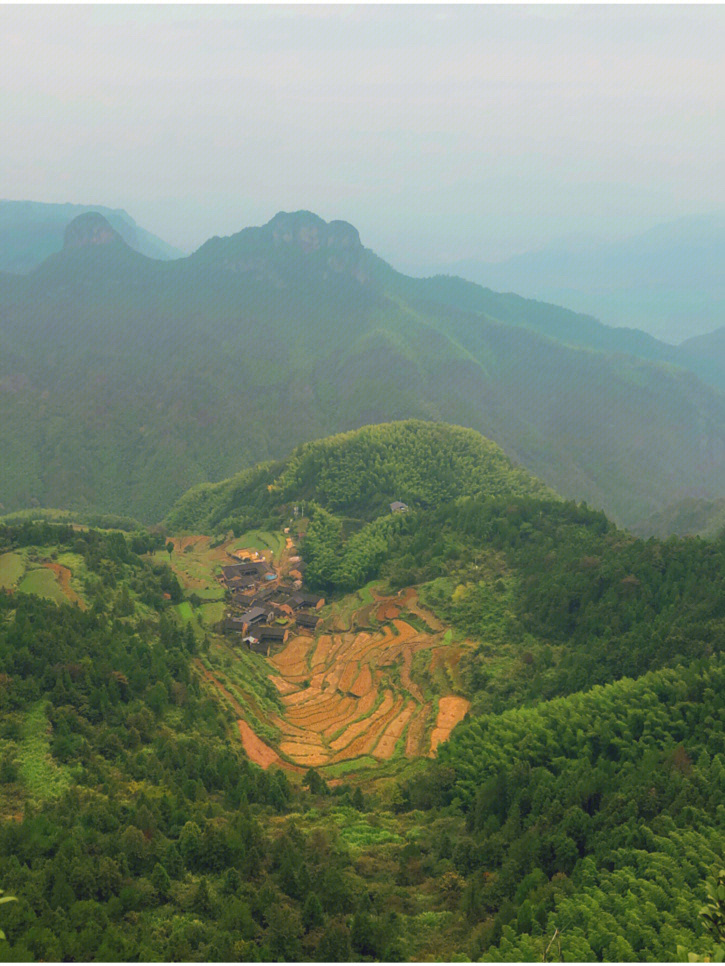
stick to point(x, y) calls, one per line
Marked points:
point(44, 582)
point(351, 693)
point(12, 568)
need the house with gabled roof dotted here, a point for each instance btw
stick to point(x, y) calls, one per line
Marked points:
point(309, 621)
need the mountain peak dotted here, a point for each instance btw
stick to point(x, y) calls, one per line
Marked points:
point(310, 232)
point(290, 244)
point(89, 230)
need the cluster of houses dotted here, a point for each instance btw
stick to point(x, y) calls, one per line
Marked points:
point(264, 607)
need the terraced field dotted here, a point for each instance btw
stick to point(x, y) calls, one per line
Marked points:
point(377, 682)
point(349, 693)
point(29, 572)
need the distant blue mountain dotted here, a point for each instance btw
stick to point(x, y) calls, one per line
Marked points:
point(30, 231)
point(668, 281)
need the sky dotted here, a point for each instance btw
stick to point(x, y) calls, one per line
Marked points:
point(440, 132)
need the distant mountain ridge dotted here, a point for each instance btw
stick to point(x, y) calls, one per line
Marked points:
point(686, 518)
point(31, 231)
point(667, 281)
point(126, 380)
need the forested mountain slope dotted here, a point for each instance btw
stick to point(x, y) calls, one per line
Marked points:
point(707, 349)
point(359, 474)
point(702, 355)
point(123, 380)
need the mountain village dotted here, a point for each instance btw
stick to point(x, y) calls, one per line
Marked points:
point(264, 602)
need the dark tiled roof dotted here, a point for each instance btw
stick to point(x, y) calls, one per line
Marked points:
point(271, 632)
point(307, 620)
point(233, 624)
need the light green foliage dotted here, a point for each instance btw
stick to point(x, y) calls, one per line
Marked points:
point(363, 835)
point(12, 568)
point(361, 472)
point(43, 582)
point(38, 772)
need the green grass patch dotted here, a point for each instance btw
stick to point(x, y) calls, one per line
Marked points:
point(185, 611)
point(44, 583)
point(261, 540)
point(38, 772)
point(211, 613)
point(12, 568)
point(366, 593)
point(345, 767)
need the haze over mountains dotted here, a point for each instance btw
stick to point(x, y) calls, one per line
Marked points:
point(124, 380)
point(667, 280)
point(30, 231)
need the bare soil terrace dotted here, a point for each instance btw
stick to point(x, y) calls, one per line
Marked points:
point(349, 691)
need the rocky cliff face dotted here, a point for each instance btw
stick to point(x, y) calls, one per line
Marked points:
point(327, 249)
point(87, 230)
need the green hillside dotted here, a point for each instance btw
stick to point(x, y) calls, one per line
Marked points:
point(125, 381)
point(594, 819)
point(359, 474)
point(577, 808)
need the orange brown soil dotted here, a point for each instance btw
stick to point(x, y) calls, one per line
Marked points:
point(63, 576)
point(388, 612)
point(197, 541)
point(348, 693)
point(363, 682)
point(386, 745)
point(258, 752)
point(451, 710)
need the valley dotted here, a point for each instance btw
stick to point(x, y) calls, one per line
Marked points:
point(349, 615)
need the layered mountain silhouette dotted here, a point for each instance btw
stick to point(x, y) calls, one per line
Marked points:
point(667, 280)
point(30, 231)
point(124, 380)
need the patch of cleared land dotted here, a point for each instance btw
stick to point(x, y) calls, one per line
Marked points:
point(44, 582)
point(349, 693)
point(38, 772)
point(12, 568)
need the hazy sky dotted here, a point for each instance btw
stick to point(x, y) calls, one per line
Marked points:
point(441, 132)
